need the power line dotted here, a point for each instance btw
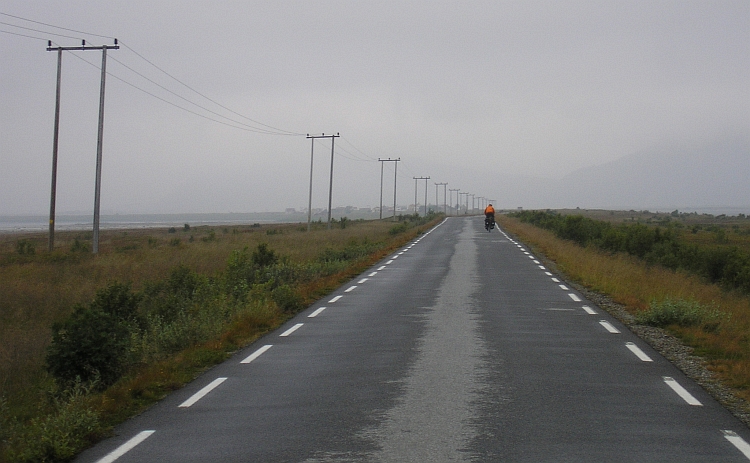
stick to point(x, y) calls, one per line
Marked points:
point(269, 130)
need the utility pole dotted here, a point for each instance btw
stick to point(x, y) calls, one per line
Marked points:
point(451, 198)
point(445, 209)
point(330, 186)
point(467, 201)
point(473, 208)
point(417, 179)
point(381, 185)
point(99, 141)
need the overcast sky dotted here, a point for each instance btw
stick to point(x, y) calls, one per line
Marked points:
point(469, 93)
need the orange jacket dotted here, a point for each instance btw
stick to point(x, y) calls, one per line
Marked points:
point(489, 210)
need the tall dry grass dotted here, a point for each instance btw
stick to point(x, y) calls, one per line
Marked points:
point(634, 284)
point(39, 289)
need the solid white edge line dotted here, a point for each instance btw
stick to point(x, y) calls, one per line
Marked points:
point(638, 352)
point(350, 289)
point(126, 447)
point(316, 313)
point(200, 394)
point(681, 391)
point(257, 353)
point(608, 326)
point(574, 297)
point(589, 310)
point(335, 299)
point(737, 441)
point(291, 330)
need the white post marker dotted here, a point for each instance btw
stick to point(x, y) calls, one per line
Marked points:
point(681, 391)
point(737, 441)
point(126, 447)
point(257, 353)
point(200, 394)
point(638, 352)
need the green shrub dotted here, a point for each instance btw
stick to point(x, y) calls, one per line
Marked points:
point(79, 246)
point(70, 427)
point(287, 298)
point(680, 312)
point(25, 247)
point(263, 256)
point(94, 342)
point(400, 228)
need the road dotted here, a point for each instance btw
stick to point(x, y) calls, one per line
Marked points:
point(459, 347)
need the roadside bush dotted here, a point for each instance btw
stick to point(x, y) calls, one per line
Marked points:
point(94, 342)
point(57, 436)
point(682, 313)
point(287, 298)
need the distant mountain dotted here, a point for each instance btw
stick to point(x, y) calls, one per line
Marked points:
point(686, 177)
point(691, 177)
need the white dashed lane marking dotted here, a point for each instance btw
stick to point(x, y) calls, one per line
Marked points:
point(737, 441)
point(257, 353)
point(609, 327)
point(589, 310)
point(316, 313)
point(291, 330)
point(335, 299)
point(126, 447)
point(202, 393)
point(638, 352)
point(350, 289)
point(574, 297)
point(682, 392)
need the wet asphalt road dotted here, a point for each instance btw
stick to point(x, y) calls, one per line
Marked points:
point(461, 346)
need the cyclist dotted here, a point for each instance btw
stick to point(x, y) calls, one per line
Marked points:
point(489, 215)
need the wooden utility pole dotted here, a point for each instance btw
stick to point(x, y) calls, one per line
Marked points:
point(330, 187)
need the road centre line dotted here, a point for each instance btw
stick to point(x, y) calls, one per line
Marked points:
point(200, 394)
point(589, 310)
point(574, 297)
point(350, 289)
point(291, 330)
point(681, 391)
point(609, 327)
point(362, 280)
point(335, 299)
point(258, 353)
point(638, 352)
point(737, 441)
point(316, 313)
point(126, 447)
